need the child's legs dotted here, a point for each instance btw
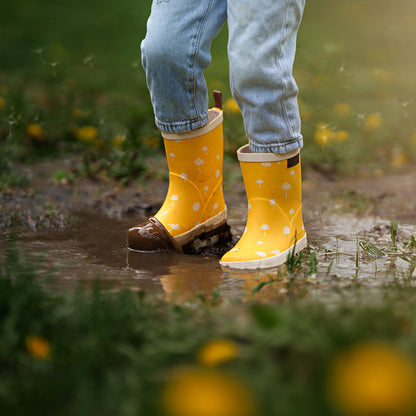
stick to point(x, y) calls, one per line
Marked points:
point(262, 44)
point(175, 52)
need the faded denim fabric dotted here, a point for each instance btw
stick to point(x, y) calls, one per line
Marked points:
point(261, 51)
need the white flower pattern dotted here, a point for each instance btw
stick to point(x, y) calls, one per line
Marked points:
point(265, 228)
point(174, 198)
point(286, 186)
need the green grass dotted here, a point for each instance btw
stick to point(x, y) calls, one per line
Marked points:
point(65, 65)
point(112, 352)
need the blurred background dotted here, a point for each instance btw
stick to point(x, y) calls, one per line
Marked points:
point(71, 81)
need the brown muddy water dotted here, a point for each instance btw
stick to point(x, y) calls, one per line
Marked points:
point(96, 248)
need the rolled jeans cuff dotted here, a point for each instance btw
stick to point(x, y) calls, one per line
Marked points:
point(181, 126)
point(283, 147)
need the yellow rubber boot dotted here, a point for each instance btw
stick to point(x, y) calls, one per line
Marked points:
point(274, 223)
point(194, 204)
point(195, 201)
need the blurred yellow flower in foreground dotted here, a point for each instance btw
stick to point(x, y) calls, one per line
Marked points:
point(35, 131)
point(2, 103)
point(118, 140)
point(413, 138)
point(38, 347)
point(231, 106)
point(86, 134)
point(373, 122)
point(217, 352)
point(323, 134)
point(203, 392)
point(373, 379)
point(342, 109)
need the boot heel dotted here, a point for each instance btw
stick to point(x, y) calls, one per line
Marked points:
point(214, 241)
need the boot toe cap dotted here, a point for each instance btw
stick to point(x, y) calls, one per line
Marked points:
point(150, 235)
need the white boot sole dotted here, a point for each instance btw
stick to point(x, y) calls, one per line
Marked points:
point(268, 263)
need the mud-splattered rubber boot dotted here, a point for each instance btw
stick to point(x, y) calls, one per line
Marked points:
point(274, 223)
point(194, 205)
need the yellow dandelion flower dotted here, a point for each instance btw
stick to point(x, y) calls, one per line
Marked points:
point(373, 122)
point(38, 347)
point(342, 109)
point(382, 75)
point(118, 141)
point(151, 141)
point(201, 392)
point(373, 379)
point(231, 106)
point(217, 352)
point(342, 135)
point(86, 134)
point(398, 158)
point(35, 131)
point(323, 134)
point(2, 103)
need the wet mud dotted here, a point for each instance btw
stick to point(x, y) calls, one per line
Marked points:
point(78, 231)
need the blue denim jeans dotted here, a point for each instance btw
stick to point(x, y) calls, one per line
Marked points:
point(261, 52)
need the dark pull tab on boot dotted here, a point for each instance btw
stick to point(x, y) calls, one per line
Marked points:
point(218, 99)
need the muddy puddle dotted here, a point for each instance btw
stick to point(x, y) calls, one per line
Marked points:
point(96, 248)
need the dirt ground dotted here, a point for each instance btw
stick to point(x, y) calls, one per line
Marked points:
point(47, 204)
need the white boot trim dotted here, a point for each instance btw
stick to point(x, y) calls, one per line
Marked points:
point(267, 263)
point(247, 156)
point(215, 114)
point(199, 229)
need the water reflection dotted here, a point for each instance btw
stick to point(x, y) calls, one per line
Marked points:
point(182, 277)
point(97, 249)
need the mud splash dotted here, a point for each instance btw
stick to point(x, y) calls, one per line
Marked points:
point(96, 248)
